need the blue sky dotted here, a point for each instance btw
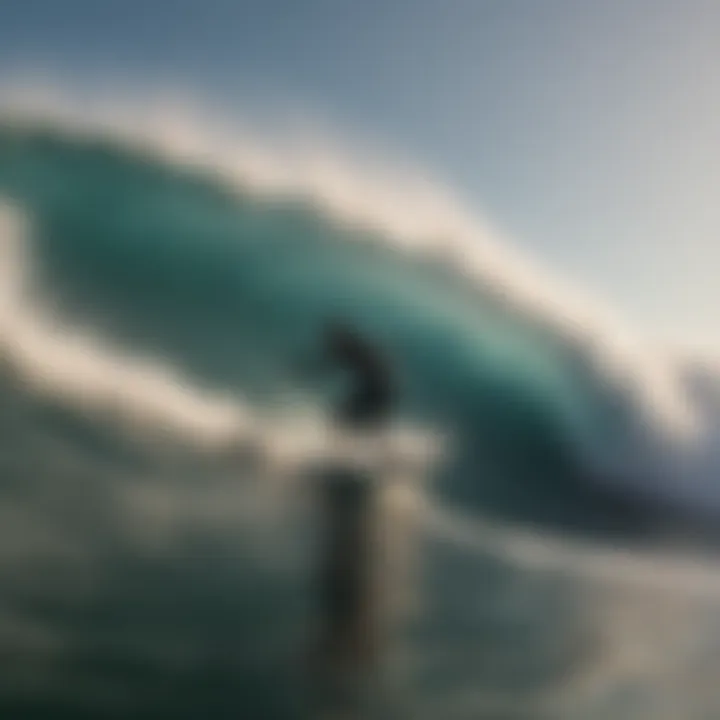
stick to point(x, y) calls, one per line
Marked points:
point(588, 130)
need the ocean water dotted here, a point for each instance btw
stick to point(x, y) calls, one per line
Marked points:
point(163, 287)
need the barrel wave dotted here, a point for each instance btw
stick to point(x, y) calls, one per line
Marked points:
point(156, 313)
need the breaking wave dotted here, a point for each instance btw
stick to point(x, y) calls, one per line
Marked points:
point(164, 277)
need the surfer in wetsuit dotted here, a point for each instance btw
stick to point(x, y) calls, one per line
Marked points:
point(370, 399)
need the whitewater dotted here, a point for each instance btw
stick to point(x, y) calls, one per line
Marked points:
point(163, 274)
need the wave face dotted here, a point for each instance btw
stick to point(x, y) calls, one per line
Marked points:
point(155, 317)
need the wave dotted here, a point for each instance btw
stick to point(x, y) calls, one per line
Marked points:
point(622, 407)
point(406, 211)
point(163, 278)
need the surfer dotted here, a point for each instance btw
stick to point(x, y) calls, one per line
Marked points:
point(371, 395)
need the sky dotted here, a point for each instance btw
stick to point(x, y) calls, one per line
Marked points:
point(586, 130)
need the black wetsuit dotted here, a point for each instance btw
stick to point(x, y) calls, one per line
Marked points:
point(370, 398)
